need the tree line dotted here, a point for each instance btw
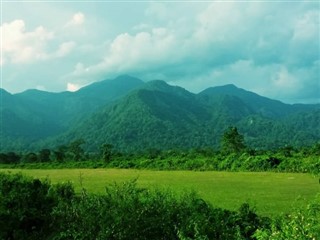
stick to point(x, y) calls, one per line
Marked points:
point(233, 155)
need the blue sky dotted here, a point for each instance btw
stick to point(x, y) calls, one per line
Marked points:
point(268, 47)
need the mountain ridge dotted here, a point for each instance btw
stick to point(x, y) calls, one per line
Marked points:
point(132, 115)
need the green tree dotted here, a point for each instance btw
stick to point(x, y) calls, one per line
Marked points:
point(60, 153)
point(75, 149)
point(107, 152)
point(13, 157)
point(44, 155)
point(3, 158)
point(232, 141)
point(30, 158)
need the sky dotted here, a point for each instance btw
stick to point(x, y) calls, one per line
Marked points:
point(268, 47)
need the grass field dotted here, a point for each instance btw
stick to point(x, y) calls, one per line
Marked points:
point(270, 193)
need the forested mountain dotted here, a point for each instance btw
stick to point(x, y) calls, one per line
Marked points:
point(132, 115)
point(34, 115)
point(66, 107)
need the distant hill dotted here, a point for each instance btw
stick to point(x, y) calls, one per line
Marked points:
point(133, 115)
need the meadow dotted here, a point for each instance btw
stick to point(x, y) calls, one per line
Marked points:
point(270, 193)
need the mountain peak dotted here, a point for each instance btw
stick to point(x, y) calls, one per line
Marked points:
point(229, 86)
point(158, 83)
point(126, 78)
point(162, 86)
point(225, 89)
point(120, 83)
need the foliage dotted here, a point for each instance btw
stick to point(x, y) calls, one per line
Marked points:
point(107, 152)
point(25, 205)
point(44, 155)
point(75, 150)
point(302, 224)
point(31, 209)
point(155, 115)
point(287, 159)
point(232, 141)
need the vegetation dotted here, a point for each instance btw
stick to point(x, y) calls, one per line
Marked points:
point(234, 156)
point(135, 116)
point(270, 193)
point(159, 127)
point(31, 209)
point(232, 141)
point(301, 224)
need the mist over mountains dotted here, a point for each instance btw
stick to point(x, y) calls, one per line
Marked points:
point(133, 115)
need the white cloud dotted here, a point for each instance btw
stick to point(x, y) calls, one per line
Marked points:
point(77, 20)
point(22, 46)
point(263, 46)
point(140, 52)
point(72, 87)
point(251, 44)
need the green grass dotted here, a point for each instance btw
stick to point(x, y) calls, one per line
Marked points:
point(271, 193)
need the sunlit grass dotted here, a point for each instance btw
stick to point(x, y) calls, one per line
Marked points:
point(270, 193)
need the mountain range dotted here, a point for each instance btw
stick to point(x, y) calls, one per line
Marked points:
point(135, 115)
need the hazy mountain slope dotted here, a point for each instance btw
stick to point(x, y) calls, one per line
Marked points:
point(67, 107)
point(258, 104)
point(21, 118)
point(133, 115)
point(35, 115)
point(158, 115)
point(151, 116)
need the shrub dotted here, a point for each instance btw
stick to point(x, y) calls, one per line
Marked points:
point(25, 207)
point(303, 224)
point(129, 212)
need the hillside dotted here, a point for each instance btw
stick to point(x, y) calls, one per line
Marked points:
point(158, 115)
point(34, 115)
point(133, 115)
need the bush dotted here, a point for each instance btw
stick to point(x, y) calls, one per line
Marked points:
point(129, 212)
point(303, 224)
point(25, 207)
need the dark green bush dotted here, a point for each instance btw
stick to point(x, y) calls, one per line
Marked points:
point(25, 205)
point(128, 212)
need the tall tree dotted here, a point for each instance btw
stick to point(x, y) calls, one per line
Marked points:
point(232, 141)
point(44, 155)
point(75, 149)
point(60, 153)
point(30, 158)
point(107, 152)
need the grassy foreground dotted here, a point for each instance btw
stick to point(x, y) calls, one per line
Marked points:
point(270, 193)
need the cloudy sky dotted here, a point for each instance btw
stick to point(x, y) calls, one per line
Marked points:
point(268, 47)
